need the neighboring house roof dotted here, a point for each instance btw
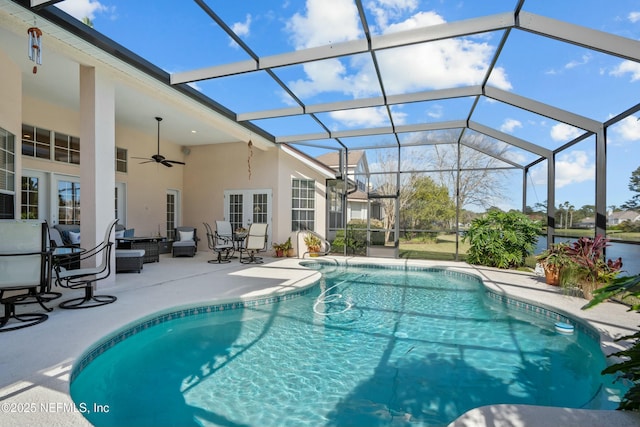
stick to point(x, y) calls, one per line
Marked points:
point(332, 159)
point(358, 195)
point(621, 216)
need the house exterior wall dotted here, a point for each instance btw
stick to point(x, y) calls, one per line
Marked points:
point(11, 110)
point(146, 184)
point(212, 169)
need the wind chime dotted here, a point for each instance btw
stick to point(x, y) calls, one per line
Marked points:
point(35, 47)
point(249, 156)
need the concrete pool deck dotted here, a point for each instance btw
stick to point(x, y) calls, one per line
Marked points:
point(36, 362)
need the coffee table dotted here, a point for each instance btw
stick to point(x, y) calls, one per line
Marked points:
point(149, 244)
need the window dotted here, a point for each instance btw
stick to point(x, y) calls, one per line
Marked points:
point(29, 208)
point(303, 204)
point(7, 174)
point(67, 148)
point(121, 160)
point(68, 202)
point(36, 142)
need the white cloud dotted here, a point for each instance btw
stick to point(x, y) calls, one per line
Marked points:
point(573, 64)
point(80, 9)
point(384, 10)
point(362, 117)
point(314, 28)
point(634, 17)
point(436, 65)
point(509, 125)
point(627, 67)
point(628, 129)
point(574, 167)
point(564, 132)
point(435, 112)
point(241, 29)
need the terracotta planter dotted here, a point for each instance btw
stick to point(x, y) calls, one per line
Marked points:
point(552, 276)
point(279, 253)
point(290, 253)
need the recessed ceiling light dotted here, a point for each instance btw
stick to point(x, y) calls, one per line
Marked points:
point(194, 131)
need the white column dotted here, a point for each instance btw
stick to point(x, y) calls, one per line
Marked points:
point(97, 156)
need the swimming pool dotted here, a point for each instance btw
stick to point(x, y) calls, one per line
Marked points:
point(365, 347)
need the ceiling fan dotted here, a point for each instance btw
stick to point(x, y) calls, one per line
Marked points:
point(159, 158)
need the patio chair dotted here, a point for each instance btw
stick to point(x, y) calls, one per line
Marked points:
point(255, 242)
point(186, 244)
point(218, 246)
point(84, 278)
point(25, 264)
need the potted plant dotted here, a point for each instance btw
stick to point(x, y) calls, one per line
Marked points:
point(555, 261)
point(313, 243)
point(288, 247)
point(591, 269)
point(279, 248)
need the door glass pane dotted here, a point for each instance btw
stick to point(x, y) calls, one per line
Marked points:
point(235, 211)
point(68, 202)
point(260, 208)
point(29, 209)
point(171, 216)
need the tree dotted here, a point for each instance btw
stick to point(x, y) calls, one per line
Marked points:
point(634, 185)
point(429, 205)
point(481, 184)
point(385, 183)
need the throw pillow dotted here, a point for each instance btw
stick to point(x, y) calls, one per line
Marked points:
point(119, 234)
point(74, 237)
point(186, 235)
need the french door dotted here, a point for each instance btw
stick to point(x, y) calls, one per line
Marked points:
point(244, 207)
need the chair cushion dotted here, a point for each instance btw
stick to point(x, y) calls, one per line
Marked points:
point(129, 253)
point(185, 243)
point(186, 236)
point(129, 232)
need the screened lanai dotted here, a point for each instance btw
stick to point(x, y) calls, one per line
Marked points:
point(508, 104)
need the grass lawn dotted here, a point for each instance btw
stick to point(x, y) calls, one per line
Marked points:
point(443, 248)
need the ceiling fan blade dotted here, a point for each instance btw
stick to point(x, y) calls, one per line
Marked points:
point(147, 161)
point(141, 158)
point(166, 163)
point(175, 162)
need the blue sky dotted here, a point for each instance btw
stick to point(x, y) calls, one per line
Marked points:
point(179, 36)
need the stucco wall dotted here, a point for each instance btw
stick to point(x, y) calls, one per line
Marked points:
point(212, 169)
point(146, 184)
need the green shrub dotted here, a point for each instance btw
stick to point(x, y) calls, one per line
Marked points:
point(502, 239)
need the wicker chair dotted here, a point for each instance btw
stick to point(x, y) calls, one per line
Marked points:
point(187, 242)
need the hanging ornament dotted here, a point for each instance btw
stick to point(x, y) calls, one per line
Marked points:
point(249, 156)
point(35, 47)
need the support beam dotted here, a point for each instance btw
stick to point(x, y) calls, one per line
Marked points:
point(600, 41)
point(542, 109)
point(601, 182)
point(97, 156)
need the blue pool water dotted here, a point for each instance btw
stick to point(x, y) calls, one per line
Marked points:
point(366, 347)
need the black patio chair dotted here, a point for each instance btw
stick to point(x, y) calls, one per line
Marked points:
point(84, 278)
